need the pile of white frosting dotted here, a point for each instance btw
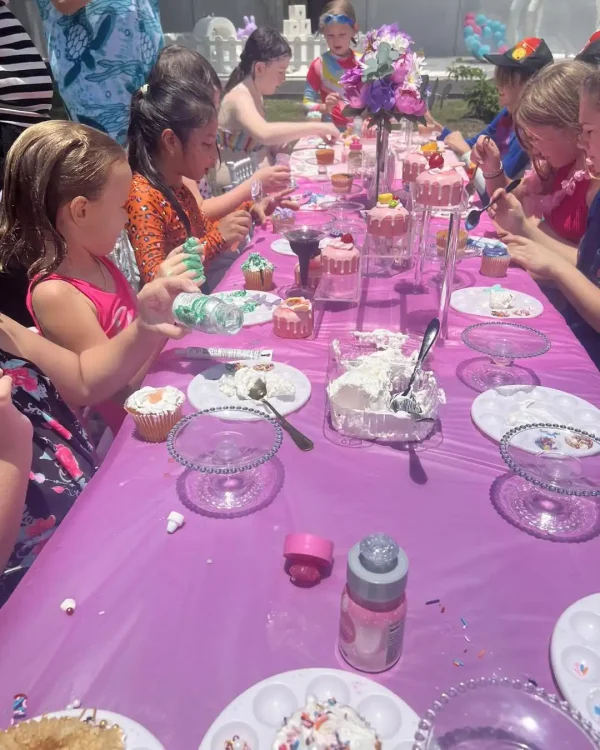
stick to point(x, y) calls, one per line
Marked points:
point(370, 380)
point(239, 383)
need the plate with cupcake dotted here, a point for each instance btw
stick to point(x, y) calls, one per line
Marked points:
point(257, 306)
point(321, 708)
point(79, 728)
point(288, 389)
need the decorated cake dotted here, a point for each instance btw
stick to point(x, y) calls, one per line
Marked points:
point(442, 240)
point(293, 318)
point(62, 734)
point(244, 377)
point(339, 256)
point(388, 218)
point(315, 271)
point(155, 411)
point(361, 390)
point(258, 273)
point(326, 726)
point(412, 166)
point(283, 219)
point(439, 188)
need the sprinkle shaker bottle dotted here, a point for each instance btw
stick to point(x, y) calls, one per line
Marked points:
point(206, 313)
point(373, 610)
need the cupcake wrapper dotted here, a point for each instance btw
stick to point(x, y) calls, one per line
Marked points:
point(255, 282)
point(155, 428)
point(494, 267)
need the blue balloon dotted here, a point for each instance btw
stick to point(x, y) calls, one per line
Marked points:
point(503, 28)
point(498, 37)
point(468, 31)
point(472, 44)
point(495, 25)
point(481, 19)
point(487, 33)
point(485, 49)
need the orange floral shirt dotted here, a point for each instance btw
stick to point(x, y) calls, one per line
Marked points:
point(154, 228)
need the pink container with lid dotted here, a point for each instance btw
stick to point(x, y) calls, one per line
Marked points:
point(308, 557)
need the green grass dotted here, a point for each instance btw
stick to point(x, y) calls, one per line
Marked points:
point(453, 114)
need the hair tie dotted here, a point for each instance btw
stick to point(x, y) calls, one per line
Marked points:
point(144, 89)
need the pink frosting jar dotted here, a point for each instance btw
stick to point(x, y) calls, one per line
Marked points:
point(373, 609)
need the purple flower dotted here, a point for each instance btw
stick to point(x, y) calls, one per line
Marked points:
point(356, 96)
point(400, 72)
point(352, 77)
point(381, 96)
point(409, 103)
point(388, 29)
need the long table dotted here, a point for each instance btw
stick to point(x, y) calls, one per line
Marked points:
point(169, 629)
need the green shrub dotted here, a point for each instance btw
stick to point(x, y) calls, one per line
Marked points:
point(481, 95)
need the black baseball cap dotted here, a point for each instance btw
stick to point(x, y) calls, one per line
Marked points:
point(529, 55)
point(591, 52)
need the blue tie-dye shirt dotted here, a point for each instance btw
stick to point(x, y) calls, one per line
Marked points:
point(100, 56)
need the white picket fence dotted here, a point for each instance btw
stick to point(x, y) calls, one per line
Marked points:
point(224, 54)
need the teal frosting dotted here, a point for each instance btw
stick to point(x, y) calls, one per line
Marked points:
point(256, 262)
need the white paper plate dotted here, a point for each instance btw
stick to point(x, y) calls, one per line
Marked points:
point(256, 715)
point(204, 392)
point(282, 246)
point(136, 736)
point(475, 300)
point(262, 314)
point(575, 656)
point(500, 409)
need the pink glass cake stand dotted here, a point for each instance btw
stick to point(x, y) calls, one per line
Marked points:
point(230, 468)
point(554, 493)
point(496, 713)
point(503, 343)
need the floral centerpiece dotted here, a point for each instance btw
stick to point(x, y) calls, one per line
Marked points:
point(386, 84)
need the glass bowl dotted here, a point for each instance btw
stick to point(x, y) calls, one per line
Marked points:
point(502, 714)
point(340, 207)
point(230, 459)
point(556, 483)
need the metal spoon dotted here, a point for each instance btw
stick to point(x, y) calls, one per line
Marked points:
point(258, 393)
point(474, 215)
point(406, 401)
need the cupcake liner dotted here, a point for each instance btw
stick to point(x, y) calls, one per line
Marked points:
point(495, 268)
point(257, 281)
point(155, 428)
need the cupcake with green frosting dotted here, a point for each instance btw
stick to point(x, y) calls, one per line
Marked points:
point(258, 273)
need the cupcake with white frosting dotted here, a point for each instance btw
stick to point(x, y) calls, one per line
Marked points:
point(155, 411)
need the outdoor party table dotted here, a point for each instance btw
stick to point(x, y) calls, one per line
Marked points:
point(169, 629)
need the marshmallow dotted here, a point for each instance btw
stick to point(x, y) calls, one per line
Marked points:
point(174, 521)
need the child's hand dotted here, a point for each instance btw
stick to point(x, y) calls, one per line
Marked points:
point(507, 212)
point(331, 102)
point(235, 227)
point(327, 131)
point(273, 178)
point(457, 143)
point(17, 432)
point(540, 261)
point(486, 155)
point(265, 208)
point(155, 303)
point(181, 263)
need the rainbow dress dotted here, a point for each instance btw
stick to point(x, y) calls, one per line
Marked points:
point(322, 79)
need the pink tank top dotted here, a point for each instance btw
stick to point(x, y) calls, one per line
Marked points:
point(115, 311)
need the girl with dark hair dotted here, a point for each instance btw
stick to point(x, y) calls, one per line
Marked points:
point(243, 129)
point(173, 138)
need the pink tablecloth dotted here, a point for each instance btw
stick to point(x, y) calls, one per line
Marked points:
point(169, 629)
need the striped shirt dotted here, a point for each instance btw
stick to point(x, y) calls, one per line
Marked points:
point(25, 82)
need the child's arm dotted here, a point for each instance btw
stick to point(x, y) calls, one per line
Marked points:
point(275, 133)
point(98, 373)
point(272, 179)
point(312, 90)
point(15, 465)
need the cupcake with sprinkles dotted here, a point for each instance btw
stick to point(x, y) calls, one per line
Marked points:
point(326, 726)
point(258, 273)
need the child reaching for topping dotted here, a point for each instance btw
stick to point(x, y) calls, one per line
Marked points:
point(322, 93)
point(64, 205)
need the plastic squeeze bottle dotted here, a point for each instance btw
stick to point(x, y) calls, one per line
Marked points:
point(373, 611)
